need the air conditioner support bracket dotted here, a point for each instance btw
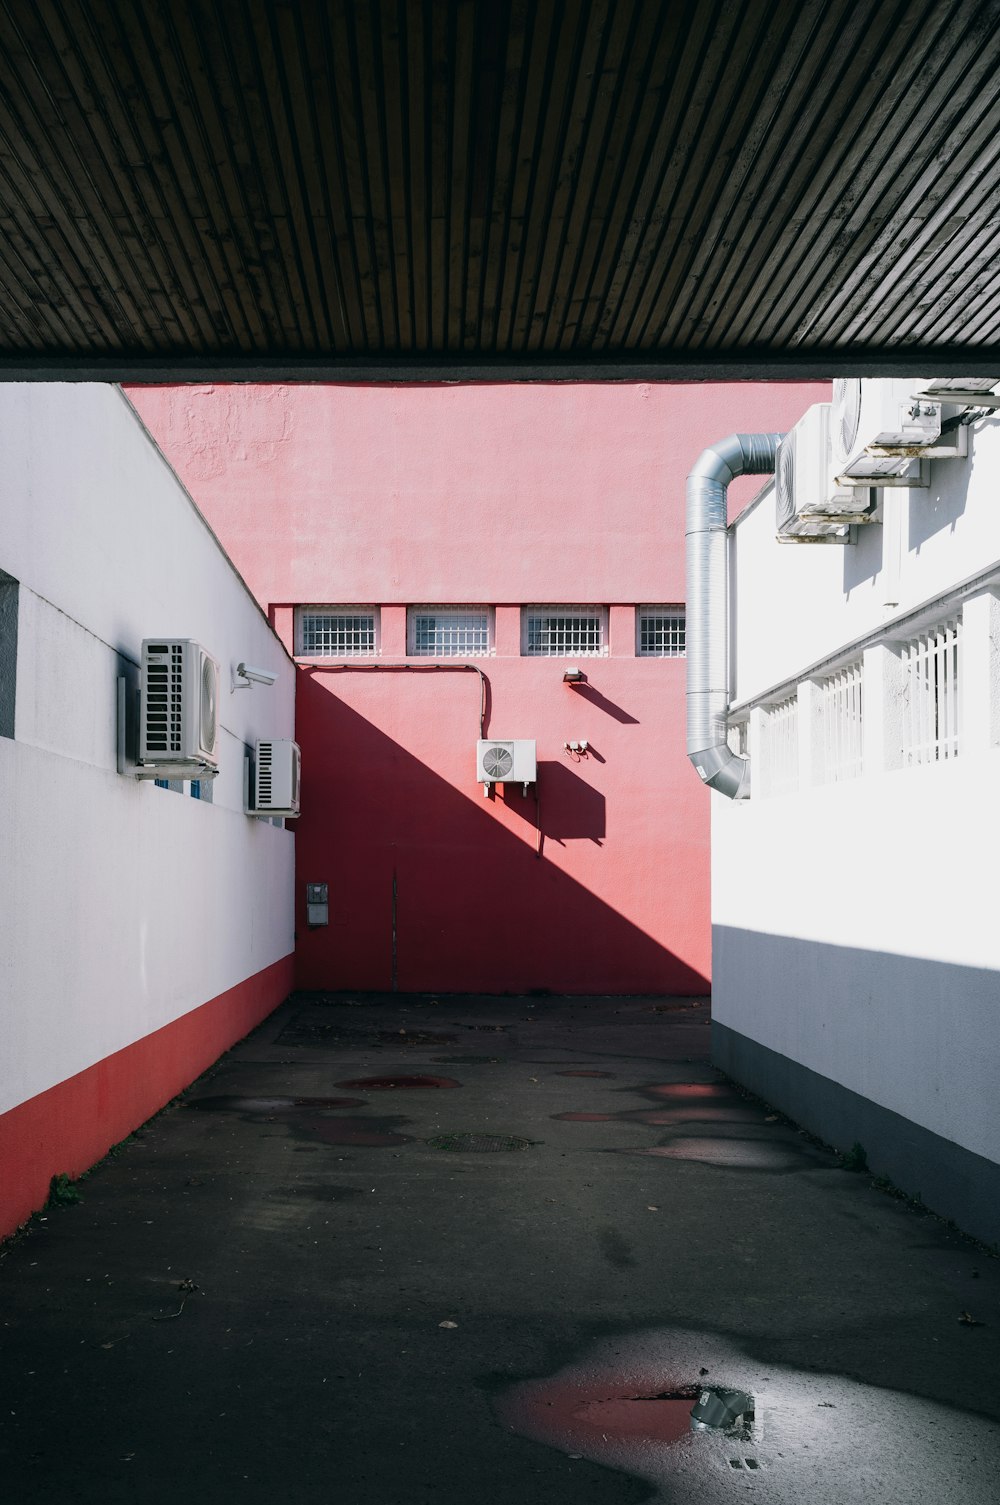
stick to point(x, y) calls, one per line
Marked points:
point(940, 449)
point(173, 771)
point(917, 482)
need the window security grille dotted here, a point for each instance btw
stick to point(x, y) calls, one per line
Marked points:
point(350, 633)
point(780, 747)
point(839, 729)
point(661, 632)
point(564, 631)
point(930, 668)
point(449, 632)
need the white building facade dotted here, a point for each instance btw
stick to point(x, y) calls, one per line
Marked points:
point(144, 928)
point(856, 948)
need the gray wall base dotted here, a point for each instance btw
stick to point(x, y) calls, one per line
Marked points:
point(950, 1181)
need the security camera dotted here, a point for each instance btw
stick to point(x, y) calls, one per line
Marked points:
point(245, 674)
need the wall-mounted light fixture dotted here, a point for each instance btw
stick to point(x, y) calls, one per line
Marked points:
point(574, 676)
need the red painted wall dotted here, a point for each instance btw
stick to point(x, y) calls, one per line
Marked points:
point(496, 495)
point(65, 1130)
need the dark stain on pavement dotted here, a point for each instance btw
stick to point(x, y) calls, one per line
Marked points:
point(586, 1073)
point(328, 1193)
point(309, 1118)
point(369, 1133)
point(584, 1118)
point(265, 1106)
point(398, 1083)
point(615, 1248)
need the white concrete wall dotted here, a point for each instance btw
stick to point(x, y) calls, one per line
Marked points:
point(873, 875)
point(795, 604)
point(124, 905)
point(854, 923)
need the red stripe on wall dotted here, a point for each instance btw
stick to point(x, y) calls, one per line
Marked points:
point(70, 1126)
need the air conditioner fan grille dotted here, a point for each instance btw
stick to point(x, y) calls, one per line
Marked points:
point(497, 762)
point(784, 482)
point(208, 709)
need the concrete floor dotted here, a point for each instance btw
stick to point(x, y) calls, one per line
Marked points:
point(266, 1297)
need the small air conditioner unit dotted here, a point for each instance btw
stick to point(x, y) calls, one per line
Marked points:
point(178, 704)
point(880, 432)
point(274, 782)
point(499, 762)
point(810, 507)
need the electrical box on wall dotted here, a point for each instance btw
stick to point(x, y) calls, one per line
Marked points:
point(505, 762)
point(317, 904)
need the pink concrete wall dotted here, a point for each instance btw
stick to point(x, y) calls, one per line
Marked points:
point(494, 495)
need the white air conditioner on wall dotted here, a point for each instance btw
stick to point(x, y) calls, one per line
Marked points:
point(178, 704)
point(880, 430)
point(810, 506)
point(274, 784)
point(500, 762)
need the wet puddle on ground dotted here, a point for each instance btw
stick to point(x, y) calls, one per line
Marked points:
point(704, 1112)
point(692, 1104)
point(741, 1154)
point(301, 1115)
point(686, 1090)
point(696, 1415)
point(568, 1414)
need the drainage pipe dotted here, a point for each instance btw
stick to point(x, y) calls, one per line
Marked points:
point(708, 605)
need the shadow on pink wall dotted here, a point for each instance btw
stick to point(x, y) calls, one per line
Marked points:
point(430, 891)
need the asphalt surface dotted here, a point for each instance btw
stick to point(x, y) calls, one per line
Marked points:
point(273, 1294)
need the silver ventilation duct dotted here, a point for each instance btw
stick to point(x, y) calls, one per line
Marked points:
point(708, 605)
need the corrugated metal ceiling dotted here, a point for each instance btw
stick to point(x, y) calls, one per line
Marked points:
point(619, 185)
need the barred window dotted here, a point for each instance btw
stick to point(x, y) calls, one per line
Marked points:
point(660, 632)
point(564, 631)
point(337, 631)
point(449, 631)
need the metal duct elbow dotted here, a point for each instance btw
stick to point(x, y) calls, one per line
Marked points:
point(708, 606)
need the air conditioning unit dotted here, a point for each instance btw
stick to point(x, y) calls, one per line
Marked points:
point(178, 704)
point(499, 762)
point(274, 782)
point(881, 433)
point(810, 506)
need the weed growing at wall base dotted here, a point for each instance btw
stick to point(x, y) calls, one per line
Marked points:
point(856, 1158)
point(62, 1192)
